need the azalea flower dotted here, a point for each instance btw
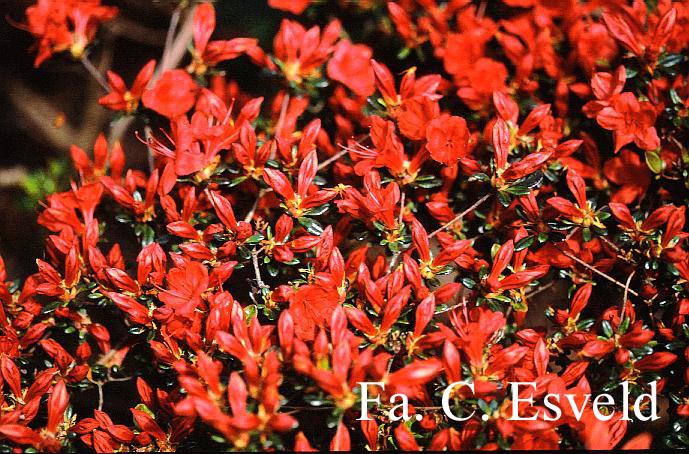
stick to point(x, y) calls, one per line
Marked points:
point(120, 98)
point(173, 95)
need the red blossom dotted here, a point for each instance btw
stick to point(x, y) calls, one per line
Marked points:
point(173, 95)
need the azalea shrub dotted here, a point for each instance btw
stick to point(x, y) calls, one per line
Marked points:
point(413, 193)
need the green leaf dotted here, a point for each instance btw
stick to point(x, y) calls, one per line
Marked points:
point(610, 386)
point(272, 269)
point(586, 234)
point(518, 189)
point(468, 282)
point(675, 97)
point(249, 312)
point(479, 177)
point(607, 328)
point(504, 199)
point(311, 225)
point(524, 243)
point(255, 238)
point(429, 184)
point(670, 60)
point(403, 53)
point(654, 162)
point(318, 210)
point(237, 181)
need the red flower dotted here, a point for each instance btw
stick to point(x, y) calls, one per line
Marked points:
point(506, 172)
point(65, 25)
point(580, 213)
point(631, 120)
point(447, 139)
point(207, 54)
point(298, 203)
point(631, 173)
point(186, 285)
point(293, 6)
point(173, 95)
point(496, 283)
point(311, 306)
point(351, 65)
point(119, 97)
point(485, 77)
point(645, 42)
point(302, 52)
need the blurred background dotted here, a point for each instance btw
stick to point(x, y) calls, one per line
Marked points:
point(45, 110)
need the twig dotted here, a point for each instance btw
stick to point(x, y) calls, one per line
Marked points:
point(134, 31)
point(13, 176)
point(252, 211)
point(257, 270)
point(626, 291)
point(37, 115)
point(595, 270)
point(173, 54)
point(571, 234)
point(99, 385)
point(460, 216)
point(481, 10)
point(94, 72)
point(540, 289)
point(333, 158)
point(169, 38)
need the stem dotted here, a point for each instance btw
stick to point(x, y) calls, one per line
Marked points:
point(540, 289)
point(94, 72)
point(460, 216)
point(169, 38)
point(257, 270)
point(481, 10)
point(595, 270)
point(626, 289)
point(250, 214)
point(333, 158)
point(571, 234)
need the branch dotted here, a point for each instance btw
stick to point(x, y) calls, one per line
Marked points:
point(257, 270)
point(38, 115)
point(13, 176)
point(595, 270)
point(250, 214)
point(97, 76)
point(333, 158)
point(173, 55)
point(461, 215)
point(134, 31)
point(626, 288)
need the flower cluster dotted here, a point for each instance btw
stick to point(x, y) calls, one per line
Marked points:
point(503, 201)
